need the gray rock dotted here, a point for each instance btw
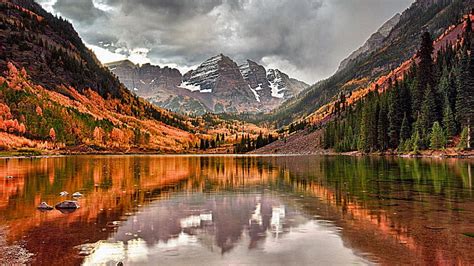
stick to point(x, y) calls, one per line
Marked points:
point(77, 194)
point(44, 207)
point(67, 204)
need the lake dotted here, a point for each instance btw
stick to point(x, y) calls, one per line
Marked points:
point(232, 210)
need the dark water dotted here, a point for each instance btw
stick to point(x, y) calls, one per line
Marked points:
point(226, 210)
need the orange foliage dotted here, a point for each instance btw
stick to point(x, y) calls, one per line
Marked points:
point(52, 134)
point(39, 111)
point(98, 135)
point(117, 135)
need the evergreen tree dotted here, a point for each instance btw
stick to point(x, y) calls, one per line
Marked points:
point(449, 122)
point(365, 125)
point(382, 135)
point(437, 138)
point(463, 140)
point(425, 75)
point(428, 111)
point(368, 133)
point(465, 99)
point(405, 131)
point(405, 100)
point(416, 142)
point(395, 116)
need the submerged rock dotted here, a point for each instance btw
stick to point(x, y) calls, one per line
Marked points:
point(63, 193)
point(44, 207)
point(77, 194)
point(9, 177)
point(67, 205)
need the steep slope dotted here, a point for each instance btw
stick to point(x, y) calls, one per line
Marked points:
point(158, 85)
point(399, 46)
point(395, 113)
point(146, 80)
point(283, 86)
point(217, 85)
point(373, 43)
point(55, 94)
point(221, 78)
point(272, 87)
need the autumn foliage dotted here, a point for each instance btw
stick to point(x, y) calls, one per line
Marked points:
point(45, 116)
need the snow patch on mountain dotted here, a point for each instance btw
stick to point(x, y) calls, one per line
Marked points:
point(190, 87)
point(274, 77)
point(254, 91)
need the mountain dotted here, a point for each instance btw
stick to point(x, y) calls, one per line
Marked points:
point(423, 103)
point(151, 80)
point(217, 85)
point(373, 43)
point(55, 94)
point(399, 46)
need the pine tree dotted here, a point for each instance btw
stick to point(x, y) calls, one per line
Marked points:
point(382, 135)
point(428, 111)
point(395, 116)
point(405, 100)
point(465, 95)
point(449, 123)
point(462, 145)
point(405, 131)
point(425, 75)
point(437, 137)
point(416, 142)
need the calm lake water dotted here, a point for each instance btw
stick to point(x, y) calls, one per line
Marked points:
point(233, 210)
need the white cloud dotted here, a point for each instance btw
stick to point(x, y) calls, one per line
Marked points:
point(104, 55)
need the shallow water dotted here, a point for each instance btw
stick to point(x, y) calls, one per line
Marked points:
point(227, 210)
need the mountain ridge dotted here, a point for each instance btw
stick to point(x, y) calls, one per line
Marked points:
point(423, 15)
point(217, 85)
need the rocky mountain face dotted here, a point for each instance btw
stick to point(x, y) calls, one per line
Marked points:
point(146, 80)
point(373, 43)
point(217, 85)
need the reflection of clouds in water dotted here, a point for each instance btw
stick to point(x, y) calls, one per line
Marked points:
point(257, 215)
point(278, 216)
point(183, 222)
point(196, 220)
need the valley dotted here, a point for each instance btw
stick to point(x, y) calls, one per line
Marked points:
point(69, 102)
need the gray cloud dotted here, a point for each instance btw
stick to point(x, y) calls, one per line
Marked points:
point(305, 38)
point(82, 11)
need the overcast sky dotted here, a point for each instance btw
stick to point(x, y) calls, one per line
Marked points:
point(305, 38)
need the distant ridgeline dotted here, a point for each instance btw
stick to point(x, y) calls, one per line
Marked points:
point(427, 102)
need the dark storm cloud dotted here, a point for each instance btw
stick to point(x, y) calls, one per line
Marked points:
point(170, 8)
point(306, 38)
point(82, 11)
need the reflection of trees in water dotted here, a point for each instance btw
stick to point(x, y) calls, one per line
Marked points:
point(124, 183)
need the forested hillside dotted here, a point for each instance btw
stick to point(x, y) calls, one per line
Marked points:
point(54, 92)
point(431, 107)
point(402, 42)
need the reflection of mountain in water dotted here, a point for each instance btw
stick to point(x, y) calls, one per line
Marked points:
point(218, 220)
point(233, 205)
